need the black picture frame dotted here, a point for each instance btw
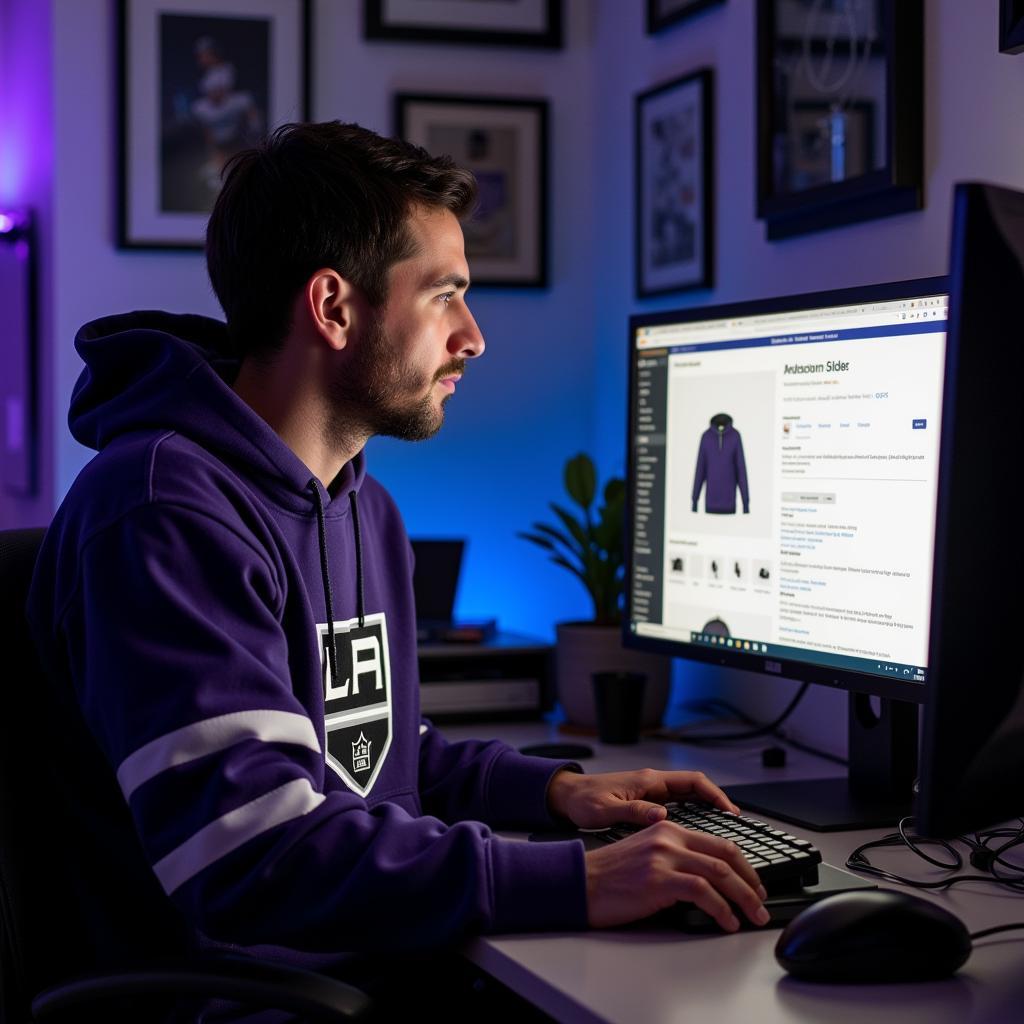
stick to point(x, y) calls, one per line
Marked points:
point(1011, 26)
point(524, 23)
point(504, 142)
point(198, 80)
point(674, 185)
point(661, 14)
point(894, 33)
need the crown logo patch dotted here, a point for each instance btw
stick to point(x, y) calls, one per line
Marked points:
point(361, 754)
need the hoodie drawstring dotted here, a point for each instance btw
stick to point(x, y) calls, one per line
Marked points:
point(325, 571)
point(360, 606)
point(325, 578)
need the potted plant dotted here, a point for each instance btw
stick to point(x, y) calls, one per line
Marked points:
point(591, 548)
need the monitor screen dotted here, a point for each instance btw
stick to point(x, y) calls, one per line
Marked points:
point(782, 484)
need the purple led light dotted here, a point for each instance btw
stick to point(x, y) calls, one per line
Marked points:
point(12, 222)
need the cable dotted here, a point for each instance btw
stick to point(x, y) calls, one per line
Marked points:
point(857, 860)
point(714, 704)
point(914, 842)
point(761, 730)
point(808, 749)
point(997, 928)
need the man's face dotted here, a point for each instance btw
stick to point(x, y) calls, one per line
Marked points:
point(404, 367)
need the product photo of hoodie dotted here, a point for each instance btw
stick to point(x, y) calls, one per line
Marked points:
point(240, 645)
point(720, 465)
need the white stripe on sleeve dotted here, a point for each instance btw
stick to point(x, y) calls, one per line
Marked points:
point(423, 730)
point(229, 831)
point(207, 737)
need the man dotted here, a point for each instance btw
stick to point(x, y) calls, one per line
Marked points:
point(227, 594)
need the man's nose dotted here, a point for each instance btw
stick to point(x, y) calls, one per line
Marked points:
point(466, 341)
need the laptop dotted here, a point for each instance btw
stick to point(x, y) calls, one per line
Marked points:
point(435, 581)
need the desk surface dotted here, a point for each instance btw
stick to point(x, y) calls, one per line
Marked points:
point(659, 976)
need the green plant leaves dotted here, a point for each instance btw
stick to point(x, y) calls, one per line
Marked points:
point(552, 534)
point(615, 491)
point(573, 525)
point(591, 548)
point(581, 480)
point(535, 538)
point(559, 560)
point(608, 532)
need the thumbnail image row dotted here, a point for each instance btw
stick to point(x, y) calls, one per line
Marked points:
point(720, 568)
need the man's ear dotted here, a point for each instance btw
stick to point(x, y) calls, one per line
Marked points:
point(333, 305)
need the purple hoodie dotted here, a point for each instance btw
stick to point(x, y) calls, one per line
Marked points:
point(281, 793)
point(721, 465)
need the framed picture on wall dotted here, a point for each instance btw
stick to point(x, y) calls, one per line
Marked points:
point(811, 161)
point(839, 112)
point(504, 143)
point(492, 22)
point(1011, 26)
point(200, 80)
point(674, 185)
point(662, 13)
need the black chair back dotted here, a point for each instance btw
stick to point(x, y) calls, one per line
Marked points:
point(74, 897)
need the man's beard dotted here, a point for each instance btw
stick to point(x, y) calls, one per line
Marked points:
point(374, 394)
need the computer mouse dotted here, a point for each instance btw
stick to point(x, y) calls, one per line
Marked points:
point(873, 935)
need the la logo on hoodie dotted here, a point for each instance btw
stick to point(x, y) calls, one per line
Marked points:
point(357, 704)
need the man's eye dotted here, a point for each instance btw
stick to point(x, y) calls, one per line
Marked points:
point(446, 298)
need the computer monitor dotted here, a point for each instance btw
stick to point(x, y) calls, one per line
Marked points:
point(782, 480)
point(972, 752)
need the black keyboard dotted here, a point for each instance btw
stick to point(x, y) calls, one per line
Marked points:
point(782, 862)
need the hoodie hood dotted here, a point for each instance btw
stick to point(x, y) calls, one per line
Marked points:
point(721, 421)
point(152, 370)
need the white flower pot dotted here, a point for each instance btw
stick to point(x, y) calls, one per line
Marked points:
point(583, 648)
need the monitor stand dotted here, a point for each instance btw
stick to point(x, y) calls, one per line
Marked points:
point(879, 788)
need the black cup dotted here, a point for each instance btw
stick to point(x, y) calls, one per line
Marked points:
point(619, 698)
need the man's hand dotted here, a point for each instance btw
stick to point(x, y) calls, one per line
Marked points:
point(663, 864)
point(597, 801)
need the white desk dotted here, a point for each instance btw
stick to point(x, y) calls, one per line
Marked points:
point(657, 977)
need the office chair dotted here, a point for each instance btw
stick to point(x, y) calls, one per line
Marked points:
point(69, 907)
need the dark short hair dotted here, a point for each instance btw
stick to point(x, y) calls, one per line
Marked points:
point(318, 195)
